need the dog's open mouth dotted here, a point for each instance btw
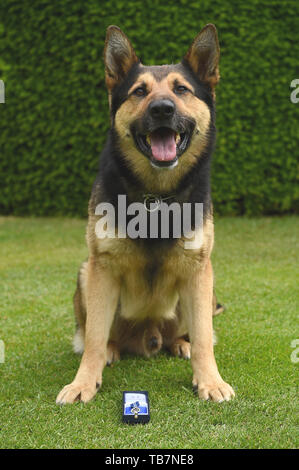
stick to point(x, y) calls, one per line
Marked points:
point(163, 146)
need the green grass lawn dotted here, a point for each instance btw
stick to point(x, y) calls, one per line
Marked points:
point(256, 270)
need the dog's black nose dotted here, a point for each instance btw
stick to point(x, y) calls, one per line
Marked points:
point(162, 109)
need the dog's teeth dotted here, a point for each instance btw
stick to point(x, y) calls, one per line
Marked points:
point(148, 140)
point(177, 139)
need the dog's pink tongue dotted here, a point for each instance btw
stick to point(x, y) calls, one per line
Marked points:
point(163, 144)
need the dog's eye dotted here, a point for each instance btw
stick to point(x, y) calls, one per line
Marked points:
point(180, 89)
point(139, 91)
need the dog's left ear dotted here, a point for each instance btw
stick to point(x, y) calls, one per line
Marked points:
point(203, 55)
point(119, 56)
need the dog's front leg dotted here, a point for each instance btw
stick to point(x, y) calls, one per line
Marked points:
point(102, 298)
point(196, 298)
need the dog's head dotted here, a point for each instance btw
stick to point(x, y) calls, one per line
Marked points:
point(161, 115)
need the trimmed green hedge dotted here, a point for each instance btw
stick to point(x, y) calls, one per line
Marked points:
point(55, 118)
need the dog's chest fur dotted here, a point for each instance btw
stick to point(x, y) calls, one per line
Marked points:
point(150, 276)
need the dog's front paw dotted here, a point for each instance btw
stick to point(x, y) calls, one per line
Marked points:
point(217, 391)
point(77, 391)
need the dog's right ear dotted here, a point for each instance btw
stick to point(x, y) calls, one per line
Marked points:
point(119, 56)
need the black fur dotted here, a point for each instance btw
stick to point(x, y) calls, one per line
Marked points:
point(115, 177)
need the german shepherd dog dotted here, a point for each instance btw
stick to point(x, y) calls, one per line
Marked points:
point(138, 295)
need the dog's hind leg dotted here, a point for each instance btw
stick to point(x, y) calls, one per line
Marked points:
point(174, 338)
point(181, 348)
point(217, 308)
point(142, 338)
point(113, 353)
point(151, 340)
point(80, 310)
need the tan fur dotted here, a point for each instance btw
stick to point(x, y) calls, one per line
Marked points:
point(128, 262)
point(127, 335)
